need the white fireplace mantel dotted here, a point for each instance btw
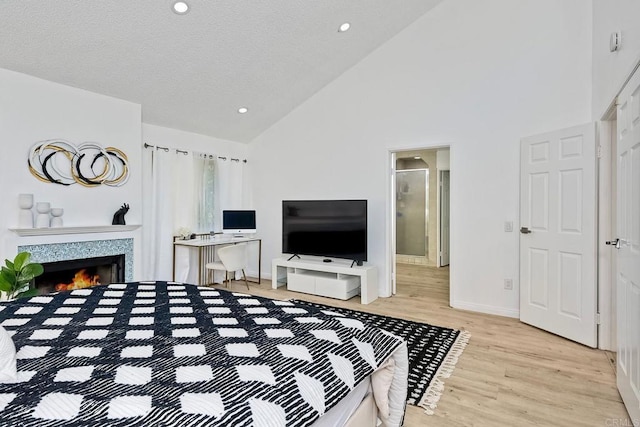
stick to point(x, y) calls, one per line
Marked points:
point(73, 230)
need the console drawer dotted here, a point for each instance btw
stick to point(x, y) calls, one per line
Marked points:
point(301, 283)
point(344, 288)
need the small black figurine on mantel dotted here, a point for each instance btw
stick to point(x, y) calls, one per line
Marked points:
point(118, 217)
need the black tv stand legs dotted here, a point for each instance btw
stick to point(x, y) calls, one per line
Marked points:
point(293, 256)
point(356, 262)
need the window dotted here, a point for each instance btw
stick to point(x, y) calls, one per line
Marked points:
point(205, 193)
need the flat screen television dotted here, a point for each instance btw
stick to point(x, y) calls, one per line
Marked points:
point(328, 228)
point(238, 222)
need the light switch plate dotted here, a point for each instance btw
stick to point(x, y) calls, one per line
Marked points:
point(508, 226)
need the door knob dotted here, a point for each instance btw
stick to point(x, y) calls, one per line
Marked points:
point(615, 243)
point(525, 230)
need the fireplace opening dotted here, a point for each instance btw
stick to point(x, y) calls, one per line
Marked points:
point(73, 274)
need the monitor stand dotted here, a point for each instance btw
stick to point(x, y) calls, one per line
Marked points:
point(293, 256)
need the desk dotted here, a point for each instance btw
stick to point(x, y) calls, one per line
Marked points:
point(206, 246)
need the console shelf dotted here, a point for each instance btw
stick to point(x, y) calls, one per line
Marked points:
point(333, 280)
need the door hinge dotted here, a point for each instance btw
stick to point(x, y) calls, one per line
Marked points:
point(597, 318)
point(599, 151)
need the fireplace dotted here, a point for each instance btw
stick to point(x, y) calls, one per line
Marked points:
point(81, 273)
point(113, 258)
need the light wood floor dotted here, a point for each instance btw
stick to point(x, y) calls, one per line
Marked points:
point(510, 374)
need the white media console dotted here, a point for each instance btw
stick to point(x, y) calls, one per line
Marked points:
point(327, 279)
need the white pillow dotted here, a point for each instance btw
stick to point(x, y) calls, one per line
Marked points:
point(7, 357)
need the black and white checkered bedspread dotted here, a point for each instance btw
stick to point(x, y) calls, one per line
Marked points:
point(167, 354)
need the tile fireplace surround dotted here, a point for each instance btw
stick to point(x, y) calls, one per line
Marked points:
point(54, 252)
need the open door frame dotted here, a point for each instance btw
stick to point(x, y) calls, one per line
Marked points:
point(390, 279)
point(392, 199)
point(606, 229)
point(443, 257)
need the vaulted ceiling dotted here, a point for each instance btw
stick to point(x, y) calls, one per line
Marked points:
point(193, 71)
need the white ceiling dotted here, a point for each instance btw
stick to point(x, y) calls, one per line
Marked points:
point(194, 71)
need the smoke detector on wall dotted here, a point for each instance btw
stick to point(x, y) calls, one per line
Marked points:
point(614, 41)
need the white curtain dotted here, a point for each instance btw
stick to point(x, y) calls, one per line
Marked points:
point(157, 232)
point(231, 180)
point(197, 209)
point(184, 195)
point(179, 194)
point(184, 215)
point(229, 188)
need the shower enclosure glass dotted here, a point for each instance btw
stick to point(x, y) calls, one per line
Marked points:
point(411, 212)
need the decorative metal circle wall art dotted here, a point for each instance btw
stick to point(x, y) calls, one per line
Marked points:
point(89, 164)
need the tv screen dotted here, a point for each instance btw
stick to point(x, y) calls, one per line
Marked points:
point(330, 228)
point(239, 221)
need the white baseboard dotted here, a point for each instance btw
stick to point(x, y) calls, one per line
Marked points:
point(486, 309)
point(254, 273)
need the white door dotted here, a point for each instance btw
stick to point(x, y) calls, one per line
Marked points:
point(558, 233)
point(628, 259)
point(444, 218)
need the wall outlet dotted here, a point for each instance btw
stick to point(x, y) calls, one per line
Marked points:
point(508, 284)
point(508, 226)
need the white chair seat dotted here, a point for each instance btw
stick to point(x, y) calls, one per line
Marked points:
point(216, 266)
point(232, 259)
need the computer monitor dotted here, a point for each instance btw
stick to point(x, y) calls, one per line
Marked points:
point(238, 222)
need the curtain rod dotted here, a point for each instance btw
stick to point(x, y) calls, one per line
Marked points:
point(185, 152)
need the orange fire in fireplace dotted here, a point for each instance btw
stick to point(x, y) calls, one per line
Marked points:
point(80, 280)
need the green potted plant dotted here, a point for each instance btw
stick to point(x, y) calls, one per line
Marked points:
point(16, 276)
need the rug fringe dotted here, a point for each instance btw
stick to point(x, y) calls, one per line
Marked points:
point(432, 395)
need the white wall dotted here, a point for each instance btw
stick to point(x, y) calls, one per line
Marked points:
point(32, 110)
point(611, 69)
point(477, 76)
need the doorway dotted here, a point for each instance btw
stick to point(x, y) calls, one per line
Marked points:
point(420, 222)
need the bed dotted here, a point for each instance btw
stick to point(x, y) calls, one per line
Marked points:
point(164, 353)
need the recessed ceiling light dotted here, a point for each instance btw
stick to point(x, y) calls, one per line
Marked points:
point(344, 27)
point(417, 157)
point(180, 7)
point(242, 110)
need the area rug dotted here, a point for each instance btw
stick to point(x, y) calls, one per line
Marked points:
point(433, 352)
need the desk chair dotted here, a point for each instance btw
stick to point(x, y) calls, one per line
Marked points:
point(232, 259)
